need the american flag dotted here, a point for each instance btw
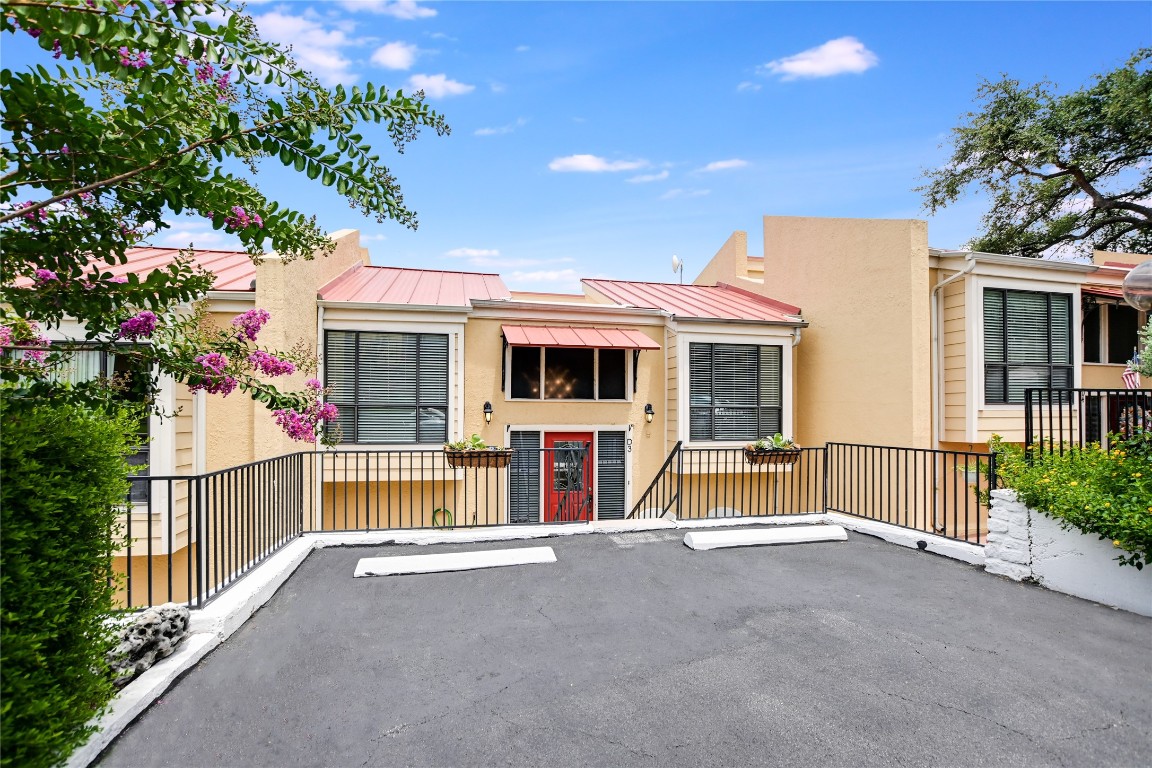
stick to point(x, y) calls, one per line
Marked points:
point(1131, 377)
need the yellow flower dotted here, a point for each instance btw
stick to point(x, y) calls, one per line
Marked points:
point(1073, 483)
point(1116, 542)
point(1138, 474)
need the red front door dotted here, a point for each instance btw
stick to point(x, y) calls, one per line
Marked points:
point(567, 476)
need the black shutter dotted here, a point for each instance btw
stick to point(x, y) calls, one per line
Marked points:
point(610, 458)
point(524, 478)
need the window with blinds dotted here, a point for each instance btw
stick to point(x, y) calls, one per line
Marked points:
point(1027, 343)
point(390, 388)
point(735, 391)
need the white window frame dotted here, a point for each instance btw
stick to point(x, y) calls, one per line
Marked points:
point(782, 338)
point(455, 333)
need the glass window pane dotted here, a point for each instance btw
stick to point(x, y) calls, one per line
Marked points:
point(993, 326)
point(1123, 327)
point(526, 372)
point(1091, 332)
point(568, 373)
point(612, 369)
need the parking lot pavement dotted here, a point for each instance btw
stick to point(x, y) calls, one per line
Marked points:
point(634, 650)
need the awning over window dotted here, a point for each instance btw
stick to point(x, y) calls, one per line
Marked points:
point(576, 337)
point(1108, 291)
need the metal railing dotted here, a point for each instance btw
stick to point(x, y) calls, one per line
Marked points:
point(934, 491)
point(186, 538)
point(713, 483)
point(1056, 419)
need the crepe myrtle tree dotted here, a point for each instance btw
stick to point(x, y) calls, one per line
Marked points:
point(140, 110)
point(1064, 174)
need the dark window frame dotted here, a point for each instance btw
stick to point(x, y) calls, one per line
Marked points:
point(543, 368)
point(1001, 370)
point(715, 407)
point(357, 402)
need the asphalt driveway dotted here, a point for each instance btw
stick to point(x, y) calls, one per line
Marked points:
point(634, 650)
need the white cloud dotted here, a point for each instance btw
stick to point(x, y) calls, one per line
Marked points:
point(593, 164)
point(522, 49)
point(395, 55)
point(398, 9)
point(315, 48)
point(438, 86)
point(673, 194)
point(748, 86)
point(644, 178)
point(185, 232)
point(724, 165)
point(372, 238)
point(501, 130)
point(497, 87)
point(471, 253)
point(835, 57)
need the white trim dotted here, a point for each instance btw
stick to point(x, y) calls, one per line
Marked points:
point(683, 365)
point(454, 419)
point(595, 430)
point(199, 432)
point(975, 332)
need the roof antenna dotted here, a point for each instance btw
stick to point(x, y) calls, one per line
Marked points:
point(678, 266)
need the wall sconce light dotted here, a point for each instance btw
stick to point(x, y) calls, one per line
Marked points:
point(649, 414)
point(487, 412)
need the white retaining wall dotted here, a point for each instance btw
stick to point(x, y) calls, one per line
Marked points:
point(1025, 544)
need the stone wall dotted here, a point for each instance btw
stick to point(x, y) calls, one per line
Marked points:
point(1024, 544)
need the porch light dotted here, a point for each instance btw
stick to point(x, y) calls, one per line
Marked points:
point(649, 414)
point(487, 412)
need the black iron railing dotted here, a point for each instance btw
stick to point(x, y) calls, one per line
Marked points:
point(186, 538)
point(724, 483)
point(1055, 419)
point(935, 491)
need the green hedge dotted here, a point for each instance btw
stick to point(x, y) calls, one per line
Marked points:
point(62, 474)
point(1107, 493)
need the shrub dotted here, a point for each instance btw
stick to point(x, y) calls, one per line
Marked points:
point(1105, 492)
point(62, 476)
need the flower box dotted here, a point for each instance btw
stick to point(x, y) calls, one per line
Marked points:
point(772, 456)
point(495, 458)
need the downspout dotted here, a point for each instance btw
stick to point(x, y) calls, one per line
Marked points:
point(937, 352)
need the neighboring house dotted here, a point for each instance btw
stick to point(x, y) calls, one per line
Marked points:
point(920, 347)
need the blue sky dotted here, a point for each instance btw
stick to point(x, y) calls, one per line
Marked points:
point(598, 139)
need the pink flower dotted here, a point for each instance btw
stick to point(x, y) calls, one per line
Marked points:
point(35, 33)
point(240, 218)
point(222, 386)
point(204, 72)
point(5, 336)
point(134, 59)
point(45, 276)
point(213, 362)
point(118, 279)
point(141, 326)
point(250, 323)
point(32, 216)
point(314, 384)
point(270, 365)
point(57, 51)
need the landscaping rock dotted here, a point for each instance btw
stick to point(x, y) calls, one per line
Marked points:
point(149, 637)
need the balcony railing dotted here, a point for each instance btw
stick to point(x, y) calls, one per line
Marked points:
point(1055, 419)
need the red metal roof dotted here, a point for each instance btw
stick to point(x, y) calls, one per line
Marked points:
point(576, 336)
point(713, 302)
point(234, 270)
point(423, 287)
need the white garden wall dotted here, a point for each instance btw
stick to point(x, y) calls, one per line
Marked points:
point(1025, 544)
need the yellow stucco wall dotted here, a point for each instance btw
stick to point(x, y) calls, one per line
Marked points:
point(729, 263)
point(483, 350)
point(863, 367)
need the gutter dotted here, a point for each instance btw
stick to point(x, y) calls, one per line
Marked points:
point(938, 353)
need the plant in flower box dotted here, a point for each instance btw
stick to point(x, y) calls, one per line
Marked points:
point(774, 450)
point(475, 453)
